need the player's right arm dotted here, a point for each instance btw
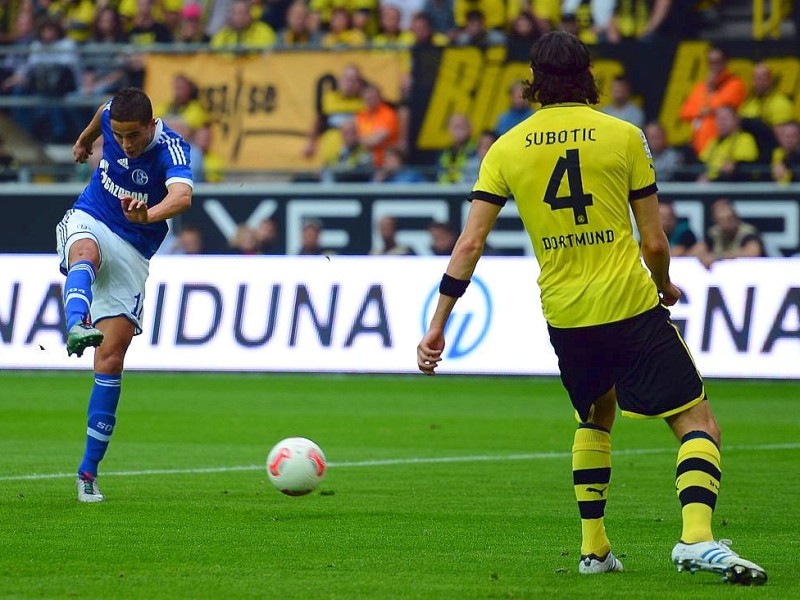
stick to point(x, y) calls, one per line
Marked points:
point(466, 253)
point(178, 200)
point(82, 149)
point(655, 247)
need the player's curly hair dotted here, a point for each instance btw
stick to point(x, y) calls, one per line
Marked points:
point(561, 71)
point(131, 104)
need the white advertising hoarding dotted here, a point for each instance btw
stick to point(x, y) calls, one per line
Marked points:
point(367, 314)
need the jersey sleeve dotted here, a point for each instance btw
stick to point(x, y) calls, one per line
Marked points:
point(176, 161)
point(105, 123)
point(642, 172)
point(491, 185)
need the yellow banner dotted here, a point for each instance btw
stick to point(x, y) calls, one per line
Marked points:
point(263, 107)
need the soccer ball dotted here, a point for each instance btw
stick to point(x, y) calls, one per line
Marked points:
point(296, 466)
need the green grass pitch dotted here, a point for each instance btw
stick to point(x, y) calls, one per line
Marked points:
point(446, 487)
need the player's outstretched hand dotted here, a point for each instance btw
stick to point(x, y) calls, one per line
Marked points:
point(429, 352)
point(81, 152)
point(670, 294)
point(135, 210)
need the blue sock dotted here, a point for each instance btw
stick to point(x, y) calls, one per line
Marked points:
point(78, 291)
point(102, 409)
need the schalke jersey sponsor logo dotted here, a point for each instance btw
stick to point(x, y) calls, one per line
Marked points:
point(469, 322)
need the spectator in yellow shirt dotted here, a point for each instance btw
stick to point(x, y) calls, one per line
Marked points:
point(77, 17)
point(213, 163)
point(391, 34)
point(340, 31)
point(242, 31)
point(297, 33)
point(786, 157)
point(725, 153)
point(325, 7)
point(185, 104)
point(764, 101)
point(494, 12)
point(162, 10)
point(338, 101)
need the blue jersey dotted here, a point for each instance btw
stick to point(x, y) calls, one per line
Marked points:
point(163, 162)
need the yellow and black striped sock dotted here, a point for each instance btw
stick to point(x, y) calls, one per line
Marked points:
point(591, 474)
point(697, 480)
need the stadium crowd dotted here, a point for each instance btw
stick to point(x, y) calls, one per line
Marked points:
point(85, 50)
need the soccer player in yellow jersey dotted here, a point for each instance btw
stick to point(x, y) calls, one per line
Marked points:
point(576, 174)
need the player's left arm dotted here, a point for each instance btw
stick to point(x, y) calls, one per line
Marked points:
point(177, 201)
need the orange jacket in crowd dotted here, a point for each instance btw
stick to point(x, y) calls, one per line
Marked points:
point(378, 129)
point(704, 99)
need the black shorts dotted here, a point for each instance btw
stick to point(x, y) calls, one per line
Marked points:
point(644, 357)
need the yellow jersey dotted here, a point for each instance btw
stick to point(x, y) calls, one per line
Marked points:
point(573, 172)
point(257, 35)
point(774, 108)
point(738, 147)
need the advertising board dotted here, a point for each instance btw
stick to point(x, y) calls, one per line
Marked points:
point(367, 314)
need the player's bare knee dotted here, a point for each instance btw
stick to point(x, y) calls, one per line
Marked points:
point(85, 249)
point(697, 418)
point(708, 422)
point(603, 416)
point(109, 361)
point(604, 410)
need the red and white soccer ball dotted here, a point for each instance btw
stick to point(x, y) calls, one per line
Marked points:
point(296, 466)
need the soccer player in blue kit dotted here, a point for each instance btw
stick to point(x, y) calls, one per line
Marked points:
point(105, 242)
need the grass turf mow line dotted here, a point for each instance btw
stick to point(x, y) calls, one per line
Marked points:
point(390, 462)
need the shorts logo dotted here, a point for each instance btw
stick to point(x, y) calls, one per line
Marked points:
point(469, 322)
point(140, 177)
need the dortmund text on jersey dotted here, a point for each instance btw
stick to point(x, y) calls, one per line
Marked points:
point(573, 172)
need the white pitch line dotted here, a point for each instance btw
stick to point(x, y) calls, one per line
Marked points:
point(392, 462)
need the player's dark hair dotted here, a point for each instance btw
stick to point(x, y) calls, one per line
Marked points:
point(561, 71)
point(131, 104)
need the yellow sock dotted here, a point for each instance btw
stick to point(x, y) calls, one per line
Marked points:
point(591, 474)
point(697, 479)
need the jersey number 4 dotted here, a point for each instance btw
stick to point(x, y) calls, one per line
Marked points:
point(577, 199)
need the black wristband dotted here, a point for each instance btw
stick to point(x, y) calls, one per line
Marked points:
point(450, 286)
